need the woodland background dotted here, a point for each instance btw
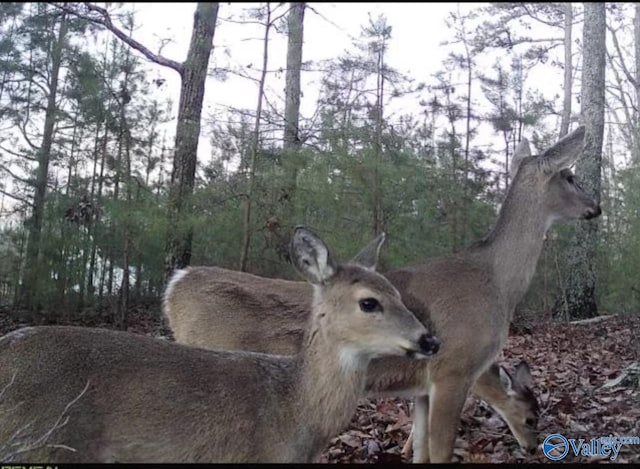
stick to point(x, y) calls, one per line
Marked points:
point(99, 202)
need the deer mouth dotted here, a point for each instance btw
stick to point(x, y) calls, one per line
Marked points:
point(427, 346)
point(592, 213)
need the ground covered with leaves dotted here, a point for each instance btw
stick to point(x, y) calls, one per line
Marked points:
point(569, 363)
point(586, 382)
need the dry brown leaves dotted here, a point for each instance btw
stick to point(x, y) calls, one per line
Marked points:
point(568, 362)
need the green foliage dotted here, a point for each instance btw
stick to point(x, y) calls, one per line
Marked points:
point(436, 197)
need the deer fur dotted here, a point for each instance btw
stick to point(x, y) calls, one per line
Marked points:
point(467, 298)
point(93, 395)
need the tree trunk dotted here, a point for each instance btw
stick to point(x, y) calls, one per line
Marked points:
point(580, 298)
point(378, 209)
point(568, 70)
point(123, 296)
point(98, 226)
point(636, 113)
point(193, 75)
point(116, 194)
point(292, 143)
point(454, 179)
point(467, 142)
point(125, 140)
point(95, 200)
point(32, 274)
point(294, 64)
point(122, 135)
point(255, 141)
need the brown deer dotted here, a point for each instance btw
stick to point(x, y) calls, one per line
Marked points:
point(511, 396)
point(85, 395)
point(468, 298)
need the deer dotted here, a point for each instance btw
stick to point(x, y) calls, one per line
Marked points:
point(88, 394)
point(467, 298)
point(511, 395)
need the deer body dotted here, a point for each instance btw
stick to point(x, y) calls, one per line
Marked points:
point(128, 398)
point(119, 398)
point(468, 299)
point(225, 292)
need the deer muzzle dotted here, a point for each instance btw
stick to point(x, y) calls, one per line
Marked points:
point(592, 212)
point(429, 344)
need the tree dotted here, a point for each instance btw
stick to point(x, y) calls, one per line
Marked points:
point(505, 30)
point(31, 280)
point(378, 34)
point(292, 142)
point(255, 142)
point(193, 73)
point(295, 23)
point(568, 70)
point(466, 62)
point(625, 89)
point(578, 300)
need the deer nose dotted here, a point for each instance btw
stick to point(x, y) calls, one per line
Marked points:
point(429, 344)
point(592, 212)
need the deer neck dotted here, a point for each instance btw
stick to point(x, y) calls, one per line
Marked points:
point(332, 381)
point(514, 246)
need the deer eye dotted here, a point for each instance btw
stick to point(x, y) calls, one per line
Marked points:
point(570, 179)
point(530, 422)
point(370, 305)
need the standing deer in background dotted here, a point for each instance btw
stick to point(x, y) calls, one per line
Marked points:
point(86, 395)
point(467, 298)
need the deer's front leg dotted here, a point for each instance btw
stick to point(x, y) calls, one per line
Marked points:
point(447, 399)
point(406, 449)
point(419, 436)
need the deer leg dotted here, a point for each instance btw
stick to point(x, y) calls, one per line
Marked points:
point(420, 430)
point(447, 400)
point(406, 449)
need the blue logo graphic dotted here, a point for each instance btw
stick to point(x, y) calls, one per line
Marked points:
point(555, 441)
point(555, 447)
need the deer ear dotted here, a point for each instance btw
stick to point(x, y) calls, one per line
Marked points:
point(523, 374)
point(522, 151)
point(565, 152)
point(368, 257)
point(505, 380)
point(311, 256)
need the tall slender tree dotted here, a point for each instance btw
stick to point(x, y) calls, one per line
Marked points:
point(568, 70)
point(579, 298)
point(295, 40)
point(291, 141)
point(31, 280)
point(255, 142)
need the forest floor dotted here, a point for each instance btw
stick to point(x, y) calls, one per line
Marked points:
point(569, 363)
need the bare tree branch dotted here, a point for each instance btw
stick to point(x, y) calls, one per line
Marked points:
point(535, 17)
point(15, 176)
point(22, 126)
point(15, 197)
point(104, 19)
point(626, 71)
point(18, 155)
point(621, 96)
